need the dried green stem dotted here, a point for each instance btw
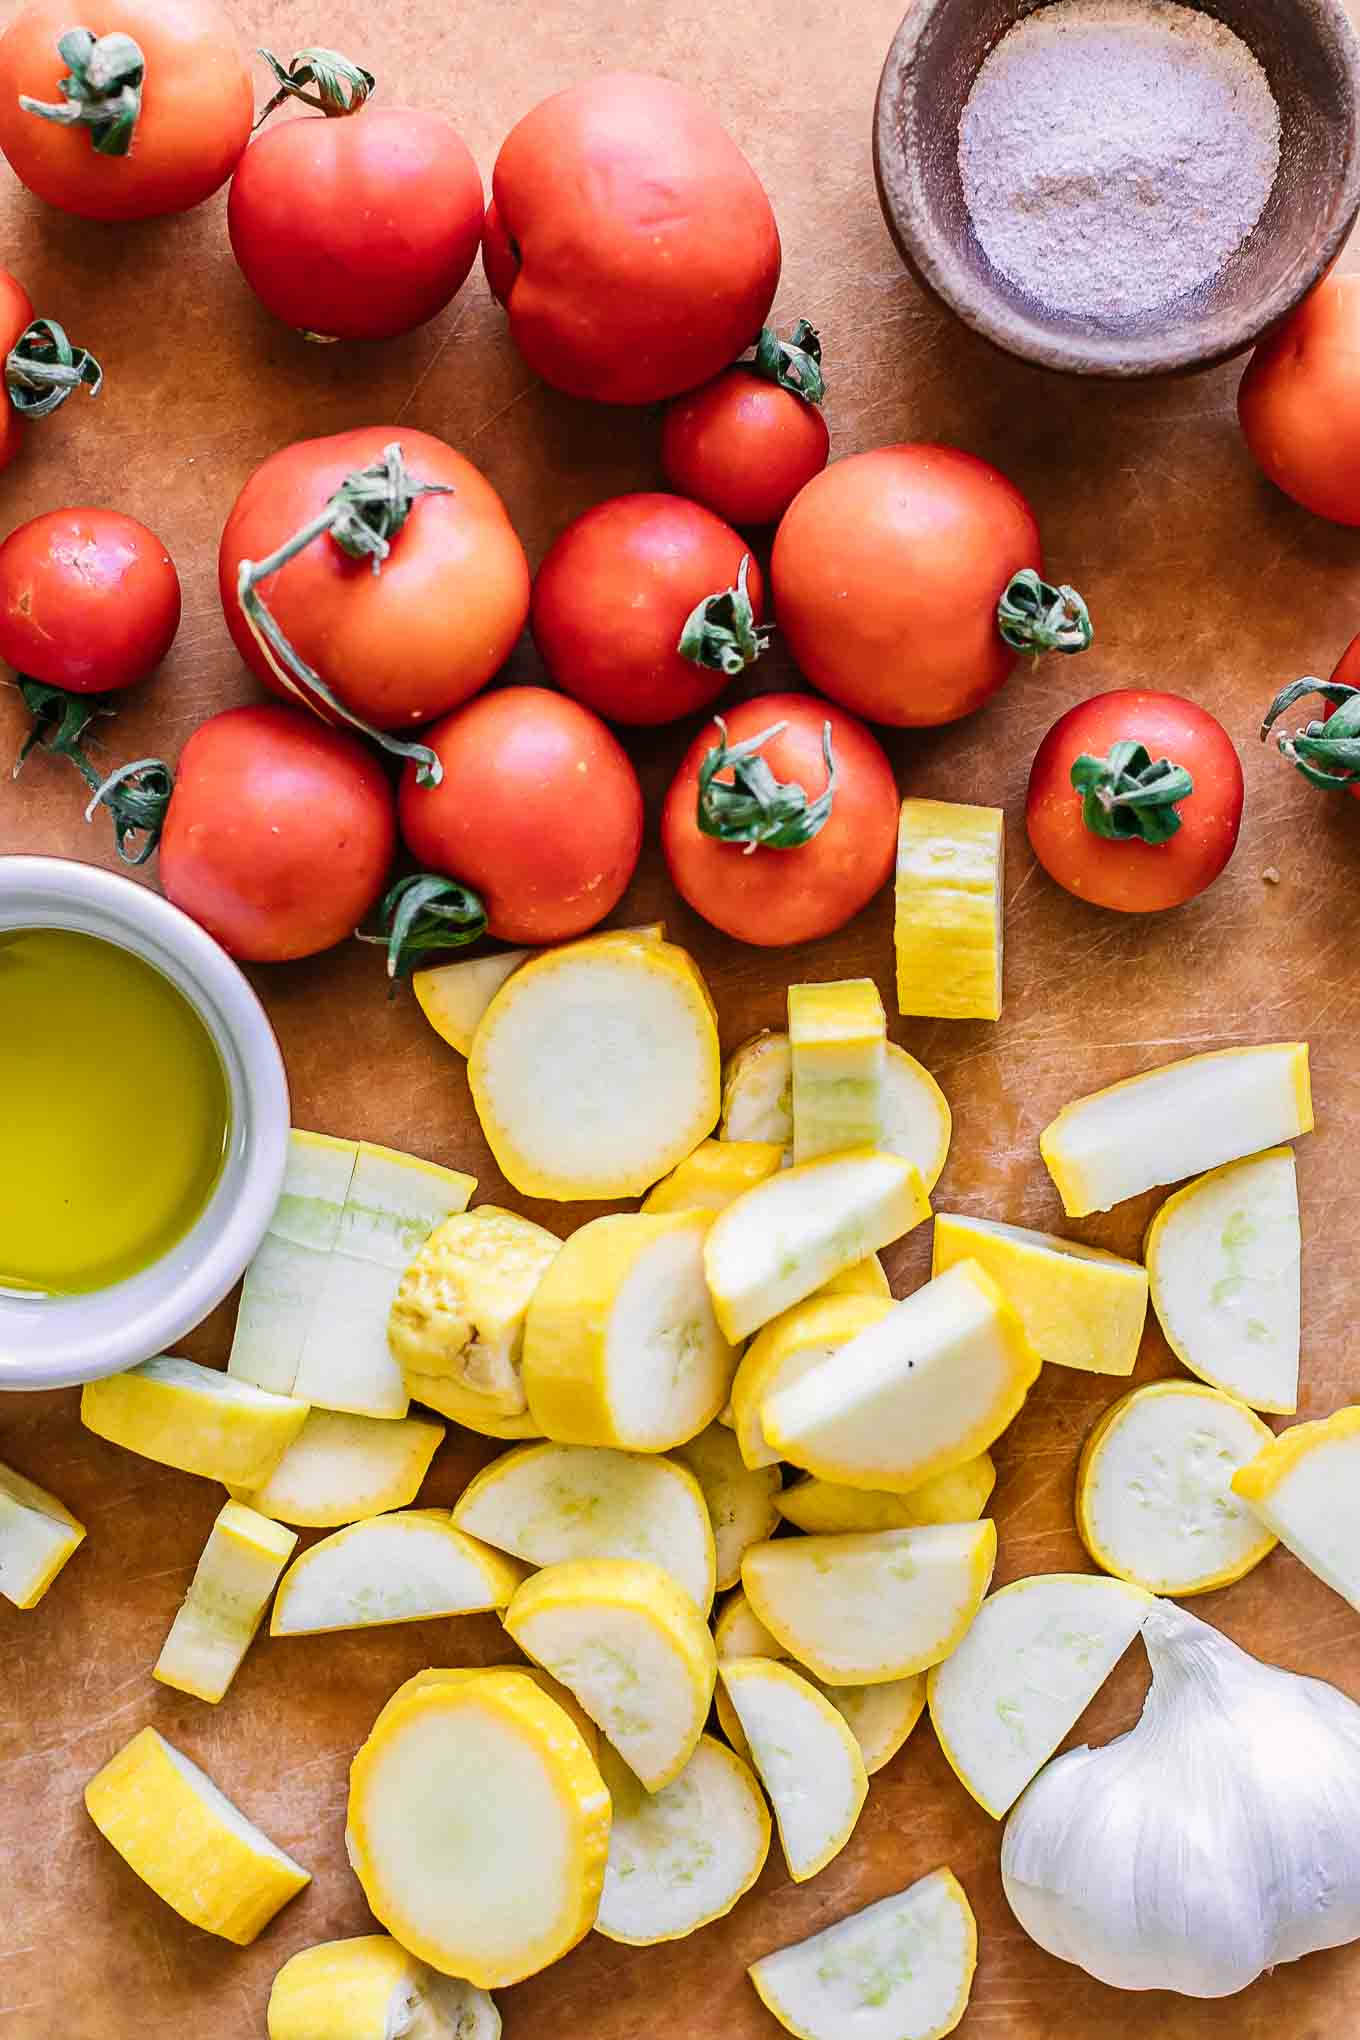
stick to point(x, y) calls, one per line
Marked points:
point(426, 915)
point(102, 89)
point(340, 87)
point(721, 632)
point(136, 796)
point(753, 807)
point(43, 369)
point(1034, 616)
point(1130, 796)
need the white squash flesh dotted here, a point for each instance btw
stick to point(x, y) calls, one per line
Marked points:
point(1305, 1488)
point(1177, 1121)
point(454, 996)
point(741, 1501)
point(757, 1098)
point(456, 1326)
point(634, 1650)
point(595, 1069)
point(407, 1567)
point(479, 1827)
point(683, 1856)
point(1155, 1503)
point(237, 1572)
point(792, 1233)
point(37, 1536)
point(806, 1756)
point(195, 1419)
point(758, 1104)
point(823, 1508)
point(1035, 1658)
point(1223, 1259)
point(550, 1503)
point(929, 1386)
point(899, 1970)
point(871, 1606)
point(837, 1037)
point(341, 1469)
point(285, 1282)
point(789, 1347)
point(370, 1989)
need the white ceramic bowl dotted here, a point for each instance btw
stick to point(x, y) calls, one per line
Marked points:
point(53, 1342)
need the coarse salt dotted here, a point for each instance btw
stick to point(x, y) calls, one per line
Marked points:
point(1114, 153)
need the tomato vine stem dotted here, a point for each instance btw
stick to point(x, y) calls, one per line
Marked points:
point(754, 808)
point(102, 89)
point(136, 796)
point(43, 369)
point(1034, 616)
point(342, 87)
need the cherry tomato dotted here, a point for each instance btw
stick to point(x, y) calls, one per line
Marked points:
point(89, 600)
point(358, 226)
point(1299, 402)
point(886, 575)
point(539, 811)
point(279, 833)
point(1131, 873)
point(194, 106)
point(1323, 753)
point(629, 239)
point(769, 896)
point(743, 446)
point(408, 643)
point(613, 596)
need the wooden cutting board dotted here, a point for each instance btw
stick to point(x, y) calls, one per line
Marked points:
point(1200, 579)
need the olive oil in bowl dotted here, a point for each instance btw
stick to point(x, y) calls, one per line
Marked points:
point(114, 1112)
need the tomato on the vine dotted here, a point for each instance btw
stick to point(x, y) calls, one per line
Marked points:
point(748, 441)
point(36, 359)
point(143, 109)
point(361, 221)
point(1325, 751)
point(908, 580)
point(781, 823)
point(1135, 800)
point(279, 833)
point(1299, 402)
point(645, 606)
point(392, 648)
point(539, 810)
point(629, 239)
point(89, 600)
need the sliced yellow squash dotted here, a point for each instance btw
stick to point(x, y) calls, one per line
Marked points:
point(683, 1856)
point(595, 1069)
point(741, 1501)
point(370, 1989)
point(37, 1536)
point(194, 1418)
point(184, 1838)
point(869, 1606)
point(1079, 1306)
point(410, 1566)
point(621, 1342)
point(758, 1103)
point(806, 1756)
point(479, 1827)
point(224, 1607)
point(949, 924)
point(632, 1647)
point(781, 1241)
point(1305, 1488)
point(837, 1040)
point(788, 1348)
point(442, 1675)
point(454, 996)
point(340, 1469)
point(716, 1173)
point(824, 1508)
point(1177, 1121)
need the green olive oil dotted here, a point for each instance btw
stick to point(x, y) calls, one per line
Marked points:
point(113, 1112)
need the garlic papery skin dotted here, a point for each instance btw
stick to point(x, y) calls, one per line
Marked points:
point(1221, 1835)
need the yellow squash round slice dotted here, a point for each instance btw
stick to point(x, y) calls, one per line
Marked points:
point(479, 1827)
point(1223, 1260)
point(870, 1606)
point(456, 1327)
point(742, 1502)
point(444, 1675)
point(634, 1650)
point(550, 1503)
point(621, 1343)
point(410, 1566)
point(370, 1989)
point(683, 1856)
point(1034, 1659)
point(1155, 1501)
point(898, 1970)
point(823, 1508)
point(184, 1838)
point(789, 1347)
point(806, 1756)
point(341, 1469)
point(454, 996)
point(1304, 1486)
point(595, 1069)
point(950, 915)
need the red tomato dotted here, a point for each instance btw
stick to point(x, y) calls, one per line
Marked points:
point(1299, 402)
point(357, 227)
point(279, 833)
point(1134, 876)
point(197, 104)
point(408, 643)
point(16, 316)
point(89, 600)
point(614, 594)
point(743, 446)
point(770, 896)
point(886, 575)
point(539, 810)
point(629, 239)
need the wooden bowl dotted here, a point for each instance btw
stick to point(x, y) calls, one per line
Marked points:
point(1311, 56)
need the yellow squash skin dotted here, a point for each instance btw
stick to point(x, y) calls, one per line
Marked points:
point(192, 1418)
point(714, 1175)
point(1080, 1307)
point(21, 1501)
point(948, 930)
point(824, 1320)
point(837, 1036)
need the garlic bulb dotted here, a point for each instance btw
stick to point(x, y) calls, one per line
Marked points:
point(1219, 1836)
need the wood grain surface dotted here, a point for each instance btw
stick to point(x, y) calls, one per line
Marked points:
point(1200, 578)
